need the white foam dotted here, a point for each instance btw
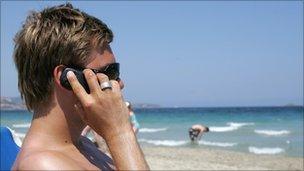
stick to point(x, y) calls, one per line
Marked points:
point(20, 135)
point(219, 144)
point(256, 150)
point(24, 125)
point(164, 142)
point(149, 130)
point(236, 124)
point(231, 127)
point(16, 137)
point(272, 132)
point(222, 129)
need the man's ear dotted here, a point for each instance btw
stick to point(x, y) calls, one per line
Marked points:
point(57, 73)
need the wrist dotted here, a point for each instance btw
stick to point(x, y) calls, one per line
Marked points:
point(119, 133)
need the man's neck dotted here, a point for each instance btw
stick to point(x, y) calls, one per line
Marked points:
point(55, 125)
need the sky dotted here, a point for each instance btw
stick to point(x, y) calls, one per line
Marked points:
point(190, 54)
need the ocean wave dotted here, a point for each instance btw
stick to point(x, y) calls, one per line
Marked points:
point(272, 132)
point(181, 142)
point(16, 137)
point(149, 130)
point(219, 144)
point(164, 142)
point(20, 135)
point(232, 126)
point(256, 150)
point(24, 125)
point(236, 124)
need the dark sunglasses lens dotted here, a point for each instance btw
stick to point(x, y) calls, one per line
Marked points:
point(113, 71)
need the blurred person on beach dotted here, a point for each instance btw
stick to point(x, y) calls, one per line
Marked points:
point(49, 41)
point(133, 119)
point(196, 132)
point(99, 142)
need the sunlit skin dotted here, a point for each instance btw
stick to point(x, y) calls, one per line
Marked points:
point(52, 138)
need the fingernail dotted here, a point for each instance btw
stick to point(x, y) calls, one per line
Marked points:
point(70, 74)
point(88, 71)
point(91, 73)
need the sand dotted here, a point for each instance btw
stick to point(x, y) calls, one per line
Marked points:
point(169, 158)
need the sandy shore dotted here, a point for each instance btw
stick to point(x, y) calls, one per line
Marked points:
point(167, 158)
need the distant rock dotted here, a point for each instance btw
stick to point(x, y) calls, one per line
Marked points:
point(292, 105)
point(12, 103)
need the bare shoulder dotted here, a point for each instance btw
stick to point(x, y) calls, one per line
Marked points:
point(197, 126)
point(47, 160)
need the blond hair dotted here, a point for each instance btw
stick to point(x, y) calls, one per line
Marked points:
point(59, 35)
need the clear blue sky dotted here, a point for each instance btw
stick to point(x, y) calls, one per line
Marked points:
point(191, 53)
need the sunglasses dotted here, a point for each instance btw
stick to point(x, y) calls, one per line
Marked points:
point(111, 70)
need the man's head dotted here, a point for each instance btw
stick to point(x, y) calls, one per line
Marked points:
point(60, 35)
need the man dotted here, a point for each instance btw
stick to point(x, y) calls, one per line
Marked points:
point(196, 132)
point(50, 41)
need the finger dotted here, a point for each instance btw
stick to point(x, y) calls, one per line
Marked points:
point(91, 80)
point(79, 91)
point(115, 86)
point(102, 78)
point(116, 90)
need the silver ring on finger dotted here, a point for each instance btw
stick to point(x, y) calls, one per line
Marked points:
point(106, 85)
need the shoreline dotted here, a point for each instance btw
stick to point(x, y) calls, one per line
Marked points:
point(183, 158)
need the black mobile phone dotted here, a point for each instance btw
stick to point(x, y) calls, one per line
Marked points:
point(80, 76)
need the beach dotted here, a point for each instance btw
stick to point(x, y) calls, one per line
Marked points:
point(183, 158)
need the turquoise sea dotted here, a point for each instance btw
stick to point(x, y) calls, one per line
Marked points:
point(258, 130)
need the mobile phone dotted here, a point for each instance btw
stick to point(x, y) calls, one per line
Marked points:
point(79, 75)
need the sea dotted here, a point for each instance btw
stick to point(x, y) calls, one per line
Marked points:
point(257, 130)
